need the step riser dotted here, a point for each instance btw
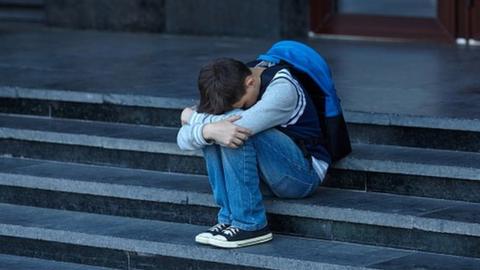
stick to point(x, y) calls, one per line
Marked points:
point(91, 111)
point(102, 156)
point(119, 259)
point(359, 133)
point(434, 187)
point(204, 215)
point(22, 3)
point(411, 185)
point(415, 137)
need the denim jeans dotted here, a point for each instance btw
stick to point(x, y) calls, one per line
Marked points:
point(269, 158)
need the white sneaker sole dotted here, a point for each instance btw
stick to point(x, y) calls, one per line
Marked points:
point(202, 239)
point(243, 243)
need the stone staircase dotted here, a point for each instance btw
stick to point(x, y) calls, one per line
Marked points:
point(92, 180)
point(32, 11)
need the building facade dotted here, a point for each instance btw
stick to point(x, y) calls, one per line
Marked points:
point(437, 20)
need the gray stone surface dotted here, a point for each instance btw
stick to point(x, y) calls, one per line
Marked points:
point(403, 120)
point(412, 161)
point(433, 138)
point(7, 163)
point(123, 15)
point(206, 17)
point(267, 19)
point(32, 11)
point(22, 15)
point(432, 81)
point(25, 3)
point(96, 98)
point(114, 130)
point(10, 262)
point(405, 184)
point(360, 132)
point(377, 158)
point(172, 239)
point(327, 204)
point(464, 213)
point(427, 261)
point(104, 135)
point(384, 119)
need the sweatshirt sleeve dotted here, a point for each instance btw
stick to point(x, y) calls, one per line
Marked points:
point(190, 137)
point(277, 106)
point(209, 118)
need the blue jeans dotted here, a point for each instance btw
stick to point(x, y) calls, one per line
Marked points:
point(269, 158)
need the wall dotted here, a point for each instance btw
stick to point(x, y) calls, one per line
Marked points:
point(249, 18)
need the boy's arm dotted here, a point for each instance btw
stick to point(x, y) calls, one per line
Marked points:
point(195, 136)
point(190, 137)
point(190, 116)
point(276, 107)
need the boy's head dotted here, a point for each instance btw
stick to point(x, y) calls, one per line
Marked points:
point(224, 84)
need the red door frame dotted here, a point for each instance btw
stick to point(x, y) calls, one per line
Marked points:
point(468, 14)
point(455, 18)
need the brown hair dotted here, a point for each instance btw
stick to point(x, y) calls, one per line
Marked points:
point(221, 84)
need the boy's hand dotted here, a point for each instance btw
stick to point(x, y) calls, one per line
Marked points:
point(226, 133)
point(185, 116)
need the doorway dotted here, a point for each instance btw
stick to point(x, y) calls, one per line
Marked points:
point(435, 20)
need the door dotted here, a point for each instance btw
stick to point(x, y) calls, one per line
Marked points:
point(468, 14)
point(437, 20)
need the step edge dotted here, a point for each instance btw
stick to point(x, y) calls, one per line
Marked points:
point(348, 163)
point(166, 249)
point(95, 98)
point(62, 264)
point(272, 205)
point(408, 168)
point(447, 123)
point(95, 141)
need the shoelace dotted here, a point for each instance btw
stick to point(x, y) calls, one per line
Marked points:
point(231, 231)
point(217, 228)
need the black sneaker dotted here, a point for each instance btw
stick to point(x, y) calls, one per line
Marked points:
point(203, 238)
point(233, 237)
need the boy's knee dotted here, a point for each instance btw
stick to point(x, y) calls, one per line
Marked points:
point(240, 148)
point(289, 187)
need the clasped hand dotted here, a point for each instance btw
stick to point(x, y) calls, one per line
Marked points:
point(225, 132)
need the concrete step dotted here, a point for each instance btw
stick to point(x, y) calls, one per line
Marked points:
point(440, 226)
point(110, 241)
point(22, 10)
point(22, 15)
point(364, 127)
point(401, 170)
point(24, 3)
point(9, 262)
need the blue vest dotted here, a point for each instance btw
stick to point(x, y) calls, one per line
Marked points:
point(306, 131)
point(313, 73)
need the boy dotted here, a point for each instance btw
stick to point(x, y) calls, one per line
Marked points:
point(251, 129)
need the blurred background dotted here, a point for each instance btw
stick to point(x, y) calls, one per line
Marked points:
point(391, 49)
point(435, 20)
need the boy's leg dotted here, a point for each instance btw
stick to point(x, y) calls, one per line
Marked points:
point(269, 150)
point(216, 178)
point(242, 186)
point(283, 166)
